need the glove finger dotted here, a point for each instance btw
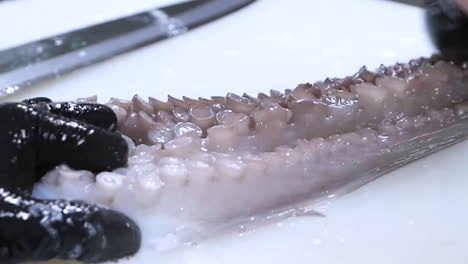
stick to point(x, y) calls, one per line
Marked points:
point(95, 114)
point(36, 100)
point(18, 147)
point(78, 144)
point(38, 230)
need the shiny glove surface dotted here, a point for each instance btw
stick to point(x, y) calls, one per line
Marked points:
point(35, 136)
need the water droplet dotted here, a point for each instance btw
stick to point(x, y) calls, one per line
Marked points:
point(171, 72)
point(39, 49)
point(82, 53)
point(317, 241)
point(58, 42)
point(175, 29)
point(11, 89)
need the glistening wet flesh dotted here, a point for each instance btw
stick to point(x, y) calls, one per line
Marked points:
point(198, 163)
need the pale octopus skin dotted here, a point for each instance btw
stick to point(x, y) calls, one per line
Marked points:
point(210, 160)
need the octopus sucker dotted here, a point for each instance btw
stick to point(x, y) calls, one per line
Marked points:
point(199, 161)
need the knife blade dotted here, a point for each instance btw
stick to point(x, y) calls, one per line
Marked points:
point(30, 63)
point(417, 3)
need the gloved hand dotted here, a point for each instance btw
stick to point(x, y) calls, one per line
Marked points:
point(35, 136)
point(447, 22)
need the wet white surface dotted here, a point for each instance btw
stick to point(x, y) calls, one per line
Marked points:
point(414, 215)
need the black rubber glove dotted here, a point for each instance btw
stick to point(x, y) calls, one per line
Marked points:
point(448, 27)
point(35, 136)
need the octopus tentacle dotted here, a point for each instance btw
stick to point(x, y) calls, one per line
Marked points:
point(209, 160)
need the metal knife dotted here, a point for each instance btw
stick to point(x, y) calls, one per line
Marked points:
point(30, 63)
point(417, 3)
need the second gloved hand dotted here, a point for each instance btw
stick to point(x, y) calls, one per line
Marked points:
point(447, 22)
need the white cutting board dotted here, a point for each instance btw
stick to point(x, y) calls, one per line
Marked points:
point(417, 214)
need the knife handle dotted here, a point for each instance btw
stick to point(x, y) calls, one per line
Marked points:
point(448, 27)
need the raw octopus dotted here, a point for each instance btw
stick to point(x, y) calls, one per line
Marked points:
point(196, 161)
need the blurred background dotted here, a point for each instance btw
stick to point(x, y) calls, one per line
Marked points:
point(272, 44)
